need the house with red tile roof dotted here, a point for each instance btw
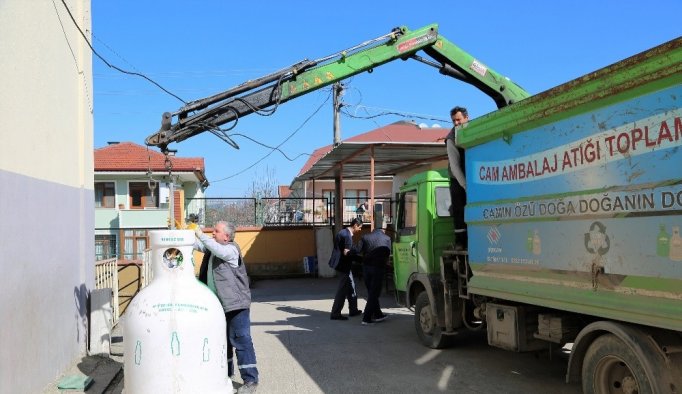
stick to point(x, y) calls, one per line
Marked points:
point(398, 151)
point(136, 189)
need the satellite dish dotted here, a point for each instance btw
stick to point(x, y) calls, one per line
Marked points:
point(436, 126)
point(423, 126)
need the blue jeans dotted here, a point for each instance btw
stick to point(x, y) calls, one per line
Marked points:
point(239, 339)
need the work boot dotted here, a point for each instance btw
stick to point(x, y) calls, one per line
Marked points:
point(247, 388)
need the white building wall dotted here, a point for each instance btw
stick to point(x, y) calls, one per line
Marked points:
point(46, 190)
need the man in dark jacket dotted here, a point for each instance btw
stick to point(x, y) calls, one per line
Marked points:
point(456, 169)
point(342, 260)
point(225, 275)
point(375, 249)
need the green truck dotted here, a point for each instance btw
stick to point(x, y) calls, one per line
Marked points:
point(574, 207)
point(574, 210)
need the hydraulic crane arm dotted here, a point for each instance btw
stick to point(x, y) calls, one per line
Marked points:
point(264, 94)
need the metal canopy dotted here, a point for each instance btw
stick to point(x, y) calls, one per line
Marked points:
point(390, 158)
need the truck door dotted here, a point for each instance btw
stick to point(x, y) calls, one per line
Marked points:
point(405, 252)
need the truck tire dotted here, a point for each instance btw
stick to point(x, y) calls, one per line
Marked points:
point(610, 366)
point(426, 324)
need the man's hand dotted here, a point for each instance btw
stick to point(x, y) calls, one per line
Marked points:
point(198, 232)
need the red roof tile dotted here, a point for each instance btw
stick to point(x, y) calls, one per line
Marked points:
point(317, 155)
point(402, 132)
point(284, 191)
point(128, 156)
point(394, 132)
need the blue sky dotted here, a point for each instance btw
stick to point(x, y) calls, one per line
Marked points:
point(199, 48)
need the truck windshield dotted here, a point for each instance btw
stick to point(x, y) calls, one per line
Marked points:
point(443, 201)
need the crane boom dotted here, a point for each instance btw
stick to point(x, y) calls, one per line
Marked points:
point(266, 93)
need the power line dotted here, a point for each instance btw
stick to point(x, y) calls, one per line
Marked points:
point(115, 53)
point(111, 65)
point(73, 55)
point(281, 143)
point(392, 112)
point(221, 133)
point(269, 147)
point(385, 111)
point(191, 73)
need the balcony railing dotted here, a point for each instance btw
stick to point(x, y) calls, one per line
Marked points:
point(106, 276)
point(147, 267)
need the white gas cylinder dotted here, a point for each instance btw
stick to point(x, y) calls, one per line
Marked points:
point(174, 329)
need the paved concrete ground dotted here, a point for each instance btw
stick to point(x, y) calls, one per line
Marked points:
point(300, 350)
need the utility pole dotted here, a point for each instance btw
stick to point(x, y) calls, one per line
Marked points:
point(337, 89)
point(338, 92)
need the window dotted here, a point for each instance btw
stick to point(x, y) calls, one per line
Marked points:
point(141, 196)
point(105, 246)
point(443, 201)
point(134, 244)
point(329, 194)
point(105, 195)
point(407, 216)
point(355, 197)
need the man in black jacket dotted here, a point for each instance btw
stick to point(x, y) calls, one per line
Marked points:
point(342, 260)
point(375, 249)
point(456, 169)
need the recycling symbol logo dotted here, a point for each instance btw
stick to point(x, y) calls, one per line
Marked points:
point(596, 240)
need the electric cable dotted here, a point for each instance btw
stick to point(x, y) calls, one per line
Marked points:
point(282, 143)
point(266, 112)
point(111, 65)
point(394, 113)
point(270, 147)
point(220, 110)
point(75, 61)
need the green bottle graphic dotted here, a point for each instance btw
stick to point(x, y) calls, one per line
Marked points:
point(675, 245)
point(206, 351)
point(537, 243)
point(663, 242)
point(175, 344)
point(138, 352)
point(529, 241)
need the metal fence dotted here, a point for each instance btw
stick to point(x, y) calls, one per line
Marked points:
point(241, 212)
point(259, 211)
point(382, 206)
point(282, 211)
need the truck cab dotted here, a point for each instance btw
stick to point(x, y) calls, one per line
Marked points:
point(424, 234)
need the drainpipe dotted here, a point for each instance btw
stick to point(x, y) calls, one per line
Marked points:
point(171, 203)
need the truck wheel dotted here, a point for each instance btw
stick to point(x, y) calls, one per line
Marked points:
point(426, 324)
point(610, 366)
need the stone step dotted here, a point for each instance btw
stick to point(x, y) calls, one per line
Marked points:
point(102, 370)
